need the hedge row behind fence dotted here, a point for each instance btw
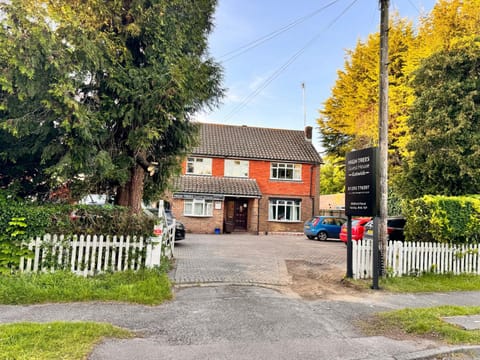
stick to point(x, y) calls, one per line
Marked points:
point(73, 219)
point(21, 221)
point(444, 219)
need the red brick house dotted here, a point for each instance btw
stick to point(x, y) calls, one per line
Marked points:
point(250, 179)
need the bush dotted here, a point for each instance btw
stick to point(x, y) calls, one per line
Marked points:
point(21, 221)
point(394, 207)
point(454, 219)
point(35, 217)
point(73, 219)
point(87, 219)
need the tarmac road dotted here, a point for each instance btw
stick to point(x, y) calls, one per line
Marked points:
point(228, 306)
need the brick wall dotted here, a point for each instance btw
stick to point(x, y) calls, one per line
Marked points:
point(260, 170)
point(218, 167)
point(198, 225)
point(253, 215)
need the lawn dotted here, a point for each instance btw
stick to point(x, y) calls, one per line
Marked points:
point(431, 283)
point(424, 283)
point(73, 340)
point(58, 340)
point(426, 321)
point(149, 287)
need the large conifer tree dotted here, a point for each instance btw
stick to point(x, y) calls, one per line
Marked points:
point(445, 125)
point(118, 81)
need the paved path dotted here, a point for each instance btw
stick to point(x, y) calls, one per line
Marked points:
point(244, 322)
point(248, 259)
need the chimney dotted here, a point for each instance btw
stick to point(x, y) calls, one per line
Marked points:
point(308, 133)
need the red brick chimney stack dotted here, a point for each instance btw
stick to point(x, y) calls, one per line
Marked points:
point(308, 133)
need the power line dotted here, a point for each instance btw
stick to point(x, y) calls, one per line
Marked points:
point(282, 68)
point(414, 6)
point(253, 44)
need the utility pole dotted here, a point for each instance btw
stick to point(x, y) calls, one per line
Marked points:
point(383, 138)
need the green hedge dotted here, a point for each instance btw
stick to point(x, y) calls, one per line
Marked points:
point(22, 220)
point(445, 219)
point(72, 219)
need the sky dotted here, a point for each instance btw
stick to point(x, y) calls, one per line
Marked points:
point(264, 84)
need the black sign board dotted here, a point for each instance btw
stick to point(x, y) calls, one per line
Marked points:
point(360, 183)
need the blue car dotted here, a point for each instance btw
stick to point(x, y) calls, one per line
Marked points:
point(323, 227)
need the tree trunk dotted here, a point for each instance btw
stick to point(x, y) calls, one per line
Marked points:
point(136, 189)
point(131, 194)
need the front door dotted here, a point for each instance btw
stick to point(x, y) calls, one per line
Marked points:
point(241, 210)
point(236, 215)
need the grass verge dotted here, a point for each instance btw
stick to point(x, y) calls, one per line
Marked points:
point(58, 340)
point(431, 283)
point(424, 283)
point(149, 287)
point(426, 322)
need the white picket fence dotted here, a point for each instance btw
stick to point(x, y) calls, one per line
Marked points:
point(92, 254)
point(407, 258)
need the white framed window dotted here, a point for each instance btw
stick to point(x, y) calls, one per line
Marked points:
point(284, 210)
point(199, 166)
point(236, 168)
point(198, 207)
point(285, 171)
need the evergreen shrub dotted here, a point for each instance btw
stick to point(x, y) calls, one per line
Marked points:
point(22, 220)
point(444, 219)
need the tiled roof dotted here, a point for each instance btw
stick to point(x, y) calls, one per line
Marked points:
point(196, 184)
point(247, 142)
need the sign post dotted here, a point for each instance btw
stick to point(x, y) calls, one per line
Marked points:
point(361, 196)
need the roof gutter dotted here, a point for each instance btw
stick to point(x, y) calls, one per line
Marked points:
point(189, 195)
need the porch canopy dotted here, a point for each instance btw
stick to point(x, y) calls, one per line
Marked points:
point(215, 187)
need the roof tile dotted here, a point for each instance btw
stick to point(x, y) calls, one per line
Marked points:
point(198, 184)
point(246, 142)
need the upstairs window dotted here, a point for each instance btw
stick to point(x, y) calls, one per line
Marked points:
point(236, 168)
point(284, 171)
point(199, 166)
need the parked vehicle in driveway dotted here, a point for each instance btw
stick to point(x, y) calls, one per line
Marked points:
point(179, 227)
point(358, 226)
point(323, 227)
point(395, 226)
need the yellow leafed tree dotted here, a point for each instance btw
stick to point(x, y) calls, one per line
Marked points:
point(349, 117)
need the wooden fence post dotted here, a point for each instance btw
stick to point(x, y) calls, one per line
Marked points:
point(154, 252)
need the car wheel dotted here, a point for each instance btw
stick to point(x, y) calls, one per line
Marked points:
point(310, 237)
point(322, 236)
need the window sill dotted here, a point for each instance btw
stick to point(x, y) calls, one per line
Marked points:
point(198, 216)
point(287, 221)
point(286, 180)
